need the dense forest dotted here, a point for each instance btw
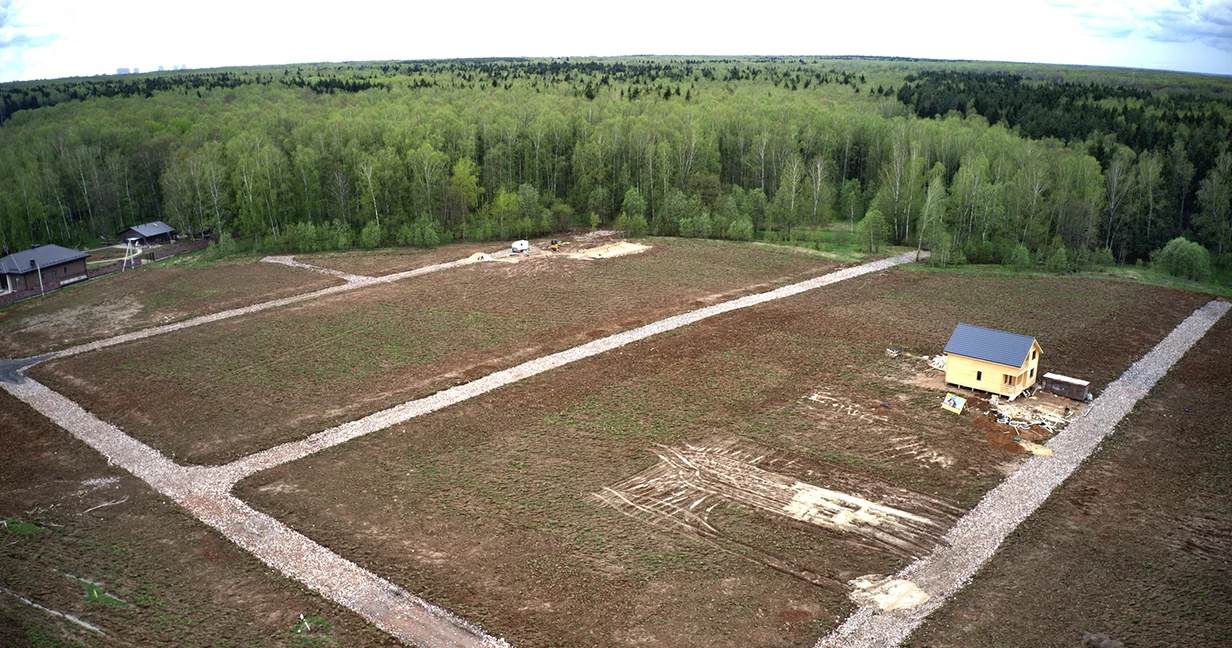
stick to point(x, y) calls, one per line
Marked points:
point(975, 165)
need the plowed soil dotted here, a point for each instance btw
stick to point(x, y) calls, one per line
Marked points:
point(1136, 545)
point(148, 296)
point(489, 508)
point(378, 263)
point(217, 392)
point(181, 583)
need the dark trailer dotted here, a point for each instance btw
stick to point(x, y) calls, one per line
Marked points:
point(1070, 388)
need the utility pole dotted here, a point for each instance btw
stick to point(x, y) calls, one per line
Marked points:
point(39, 271)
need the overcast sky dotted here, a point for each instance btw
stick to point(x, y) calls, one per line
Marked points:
point(58, 38)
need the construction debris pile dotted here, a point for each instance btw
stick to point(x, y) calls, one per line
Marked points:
point(1022, 415)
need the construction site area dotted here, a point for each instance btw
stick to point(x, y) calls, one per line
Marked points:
point(660, 442)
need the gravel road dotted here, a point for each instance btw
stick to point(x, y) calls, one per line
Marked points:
point(976, 536)
point(204, 492)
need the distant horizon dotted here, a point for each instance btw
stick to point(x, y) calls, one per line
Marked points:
point(867, 57)
point(53, 39)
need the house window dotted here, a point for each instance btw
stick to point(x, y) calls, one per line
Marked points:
point(1033, 354)
point(979, 375)
point(1009, 380)
point(1032, 372)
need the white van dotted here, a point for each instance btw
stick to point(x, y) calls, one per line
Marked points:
point(521, 247)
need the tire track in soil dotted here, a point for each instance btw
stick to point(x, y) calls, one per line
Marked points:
point(205, 490)
point(977, 535)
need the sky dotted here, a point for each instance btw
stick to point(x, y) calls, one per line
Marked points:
point(41, 39)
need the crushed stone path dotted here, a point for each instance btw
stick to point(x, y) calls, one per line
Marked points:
point(398, 414)
point(289, 260)
point(205, 490)
point(976, 536)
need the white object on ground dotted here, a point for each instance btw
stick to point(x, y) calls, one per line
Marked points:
point(886, 593)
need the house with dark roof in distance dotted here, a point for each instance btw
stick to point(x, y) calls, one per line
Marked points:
point(990, 360)
point(155, 232)
point(56, 265)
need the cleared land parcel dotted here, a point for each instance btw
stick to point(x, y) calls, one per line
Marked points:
point(145, 297)
point(220, 391)
point(551, 512)
point(90, 540)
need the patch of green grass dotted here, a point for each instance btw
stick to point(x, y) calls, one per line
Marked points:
point(17, 527)
point(96, 594)
point(840, 458)
point(39, 638)
point(311, 631)
point(1127, 274)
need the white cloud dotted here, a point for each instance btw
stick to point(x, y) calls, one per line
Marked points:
point(1167, 21)
point(98, 37)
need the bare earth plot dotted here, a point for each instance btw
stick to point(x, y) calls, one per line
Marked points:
point(1135, 546)
point(378, 263)
point(148, 296)
point(164, 578)
point(217, 392)
point(696, 488)
point(203, 491)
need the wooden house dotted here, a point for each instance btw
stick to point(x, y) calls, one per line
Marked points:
point(991, 361)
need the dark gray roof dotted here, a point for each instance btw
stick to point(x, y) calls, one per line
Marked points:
point(45, 255)
point(990, 344)
point(152, 229)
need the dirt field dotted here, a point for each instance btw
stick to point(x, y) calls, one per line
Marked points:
point(105, 254)
point(141, 570)
point(148, 296)
point(715, 486)
point(1136, 545)
point(379, 263)
point(217, 392)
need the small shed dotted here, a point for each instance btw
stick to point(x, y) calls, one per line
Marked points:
point(990, 360)
point(155, 232)
point(55, 265)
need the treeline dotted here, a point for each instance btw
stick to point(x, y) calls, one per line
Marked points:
point(1165, 146)
point(497, 149)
